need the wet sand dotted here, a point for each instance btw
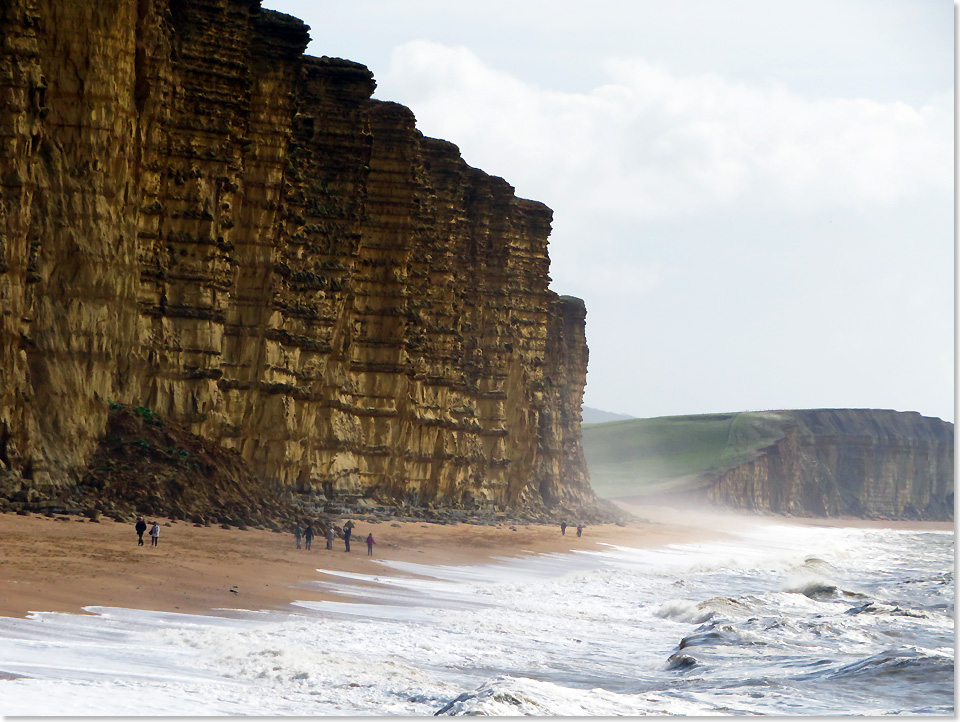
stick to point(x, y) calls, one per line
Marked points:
point(55, 565)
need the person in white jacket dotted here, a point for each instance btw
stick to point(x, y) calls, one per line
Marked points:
point(155, 534)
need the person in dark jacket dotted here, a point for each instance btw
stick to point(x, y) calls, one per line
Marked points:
point(370, 543)
point(347, 531)
point(141, 527)
point(308, 536)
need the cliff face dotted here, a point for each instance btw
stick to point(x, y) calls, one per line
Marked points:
point(824, 462)
point(833, 462)
point(198, 219)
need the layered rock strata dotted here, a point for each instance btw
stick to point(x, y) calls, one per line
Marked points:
point(848, 462)
point(870, 463)
point(198, 219)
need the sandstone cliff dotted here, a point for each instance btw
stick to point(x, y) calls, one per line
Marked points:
point(823, 462)
point(833, 462)
point(198, 219)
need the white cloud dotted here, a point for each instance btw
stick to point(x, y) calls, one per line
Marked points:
point(726, 236)
point(652, 144)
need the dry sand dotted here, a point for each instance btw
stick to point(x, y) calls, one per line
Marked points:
point(52, 564)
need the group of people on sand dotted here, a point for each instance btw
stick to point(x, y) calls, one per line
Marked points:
point(154, 532)
point(304, 536)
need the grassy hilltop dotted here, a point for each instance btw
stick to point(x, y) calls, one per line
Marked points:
point(673, 453)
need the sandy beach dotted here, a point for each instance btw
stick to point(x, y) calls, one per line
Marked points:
point(64, 564)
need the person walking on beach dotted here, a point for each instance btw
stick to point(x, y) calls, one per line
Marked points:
point(155, 535)
point(347, 531)
point(579, 529)
point(140, 527)
point(370, 543)
point(563, 528)
point(308, 536)
point(297, 533)
point(331, 534)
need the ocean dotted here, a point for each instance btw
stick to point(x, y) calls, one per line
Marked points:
point(777, 619)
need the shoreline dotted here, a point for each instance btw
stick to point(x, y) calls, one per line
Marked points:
point(58, 565)
point(64, 564)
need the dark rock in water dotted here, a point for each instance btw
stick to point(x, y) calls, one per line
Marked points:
point(815, 591)
point(462, 698)
point(681, 662)
point(892, 610)
point(704, 638)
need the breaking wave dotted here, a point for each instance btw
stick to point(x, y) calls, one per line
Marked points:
point(783, 620)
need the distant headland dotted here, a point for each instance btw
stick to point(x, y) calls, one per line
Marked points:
point(864, 463)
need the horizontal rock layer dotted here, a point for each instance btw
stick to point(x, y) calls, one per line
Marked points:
point(198, 219)
point(848, 462)
point(870, 463)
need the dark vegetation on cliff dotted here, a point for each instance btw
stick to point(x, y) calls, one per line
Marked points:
point(145, 464)
point(149, 466)
point(822, 462)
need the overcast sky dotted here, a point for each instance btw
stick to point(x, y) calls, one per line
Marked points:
point(753, 197)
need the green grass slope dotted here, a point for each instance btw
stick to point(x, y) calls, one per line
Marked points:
point(673, 453)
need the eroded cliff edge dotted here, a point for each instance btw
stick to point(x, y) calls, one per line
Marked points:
point(847, 462)
point(870, 463)
point(198, 219)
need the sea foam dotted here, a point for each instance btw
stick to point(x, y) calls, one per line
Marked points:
point(739, 627)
